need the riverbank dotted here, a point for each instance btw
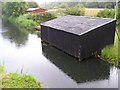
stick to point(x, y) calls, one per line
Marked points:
point(29, 21)
point(14, 80)
point(111, 54)
point(21, 22)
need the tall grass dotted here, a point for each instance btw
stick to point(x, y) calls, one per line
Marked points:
point(110, 53)
point(1, 72)
point(92, 12)
point(2, 68)
point(14, 80)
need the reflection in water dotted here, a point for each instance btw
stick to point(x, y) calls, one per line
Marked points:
point(52, 67)
point(14, 35)
point(84, 71)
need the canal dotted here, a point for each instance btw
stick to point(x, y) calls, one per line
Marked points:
point(24, 53)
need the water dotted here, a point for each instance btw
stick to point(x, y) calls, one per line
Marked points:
point(24, 53)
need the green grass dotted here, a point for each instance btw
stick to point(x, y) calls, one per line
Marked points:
point(1, 68)
point(58, 12)
point(110, 53)
point(22, 22)
point(14, 80)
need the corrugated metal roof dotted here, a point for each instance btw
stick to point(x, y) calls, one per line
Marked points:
point(76, 24)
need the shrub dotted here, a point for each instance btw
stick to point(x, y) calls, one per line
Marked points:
point(106, 13)
point(24, 22)
point(63, 5)
point(78, 10)
point(118, 14)
point(42, 17)
point(14, 8)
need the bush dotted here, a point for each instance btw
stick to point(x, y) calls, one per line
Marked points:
point(78, 10)
point(118, 14)
point(23, 22)
point(106, 13)
point(58, 12)
point(63, 5)
point(30, 21)
point(42, 17)
point(14, 8)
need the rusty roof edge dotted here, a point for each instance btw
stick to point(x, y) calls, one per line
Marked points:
point(97, 27)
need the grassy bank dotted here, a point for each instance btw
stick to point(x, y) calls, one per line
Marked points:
point(14, 80)
point(21, 22)
point(29, 21)
point(110, 53)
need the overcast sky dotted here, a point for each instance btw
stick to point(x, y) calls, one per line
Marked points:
point(42, 1)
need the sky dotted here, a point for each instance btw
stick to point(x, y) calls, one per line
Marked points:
point(42, 1)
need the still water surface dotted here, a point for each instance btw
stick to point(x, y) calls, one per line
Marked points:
point(24, 53)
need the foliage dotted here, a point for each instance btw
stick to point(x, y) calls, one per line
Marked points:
point(1, 68)
point(32, 4)
point(14, 8)
point(110, 53)
point(30, 21)
point(63, 5)
point(23, 22)
point(42, 17)
point(77, 10)
point(87, 4)
point(118, 14)
point(13, 80)
point(106, 13)
point(58, 12)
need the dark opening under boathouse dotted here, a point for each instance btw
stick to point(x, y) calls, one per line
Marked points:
point(79, 36)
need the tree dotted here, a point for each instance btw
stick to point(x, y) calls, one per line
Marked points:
point(32, 4)
point(106, 13)
point(76, 10)
point(14, 8)
point(118, 14)
point(63, 5)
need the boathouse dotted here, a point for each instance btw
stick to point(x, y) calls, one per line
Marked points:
point(79, 36)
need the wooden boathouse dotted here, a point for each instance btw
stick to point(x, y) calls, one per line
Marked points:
point(79, 36)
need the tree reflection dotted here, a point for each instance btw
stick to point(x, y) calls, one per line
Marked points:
point(81, 71)
point(14, 35)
